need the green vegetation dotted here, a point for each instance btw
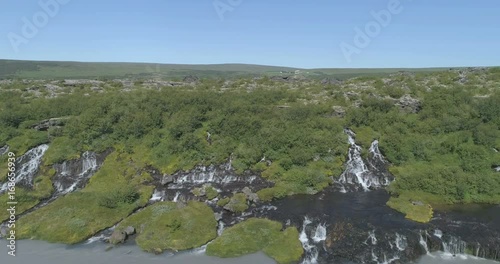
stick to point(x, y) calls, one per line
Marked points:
point(27, 199)
point(416, 210)
point(289, 131)
point(206, 190)
point(109, 195)
point(171, 226)
point(254, 235)
point(222, 202)
point(63, 70)
point(237, 203)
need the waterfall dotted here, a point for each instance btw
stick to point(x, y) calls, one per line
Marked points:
point(73, 174)
point(27, 166)
point(454, 246)
point(310, 250)
point(176, 197)
point(423, 243)
point(357, 173)
point(157, 196)
point(374, 150)
point(211, 174)
point(438, 233)
point(220, 229)
point(320, 233)
point(356, 167)
point(401, 242)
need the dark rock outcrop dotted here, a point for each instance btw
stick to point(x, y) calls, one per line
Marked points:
point(409, 104)
point(118, 237)
point(46, 124)
point(331, 81)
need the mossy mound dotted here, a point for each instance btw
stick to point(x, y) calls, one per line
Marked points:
point(254, 235)
point(237, 203)
point(170, 226)
point(77, 216)
point(415, 210)
point(206, 191)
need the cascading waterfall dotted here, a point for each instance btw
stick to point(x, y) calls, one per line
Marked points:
point(423, 243)
point(438, 233)
point(27, 166)
point(157, 196)
point(454, 246)
point(401, 242)
point(356, 169)
point(67, 181)
point(176, 197)
point(358, 173)
point(311, 252)
point(220, 228)
point(211, 174)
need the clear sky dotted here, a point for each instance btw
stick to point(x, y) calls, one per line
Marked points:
point(299, 33)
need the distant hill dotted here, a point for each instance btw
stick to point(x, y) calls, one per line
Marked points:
point(60, 70)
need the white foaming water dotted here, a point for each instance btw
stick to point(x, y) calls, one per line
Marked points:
point(454, 246)
point(96, 239)
point(357, 172)
point(220, 229)
point(176, 197)
point(438, 233)
point(88, 168)
point(157, 196)
point(423, 243)
point(497, 169)
point(401, 242)
point(320, 233)
point(27, 166)
point(210, 174)
point(442, 258)
point(371, 237)
point(310, 250)
point(375, 151)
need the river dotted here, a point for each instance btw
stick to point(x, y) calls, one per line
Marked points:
point(337, 227)
point(45, 253)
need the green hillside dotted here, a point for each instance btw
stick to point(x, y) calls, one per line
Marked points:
point(62, 70)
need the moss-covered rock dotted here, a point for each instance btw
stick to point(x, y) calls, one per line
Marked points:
point(170, 226)
point(222, 202)
point(206, 191)
point(414, 210)
point(255, 235)
point(237, 204)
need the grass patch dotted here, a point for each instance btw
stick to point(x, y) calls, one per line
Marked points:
point(222, 202)
point(73, 218)
point(29, 139)
point(168, 226)
point(237, 203)
point(61, 149)
point(254, 235)
point(409, 204)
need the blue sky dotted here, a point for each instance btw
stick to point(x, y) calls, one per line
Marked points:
point(299, 33)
